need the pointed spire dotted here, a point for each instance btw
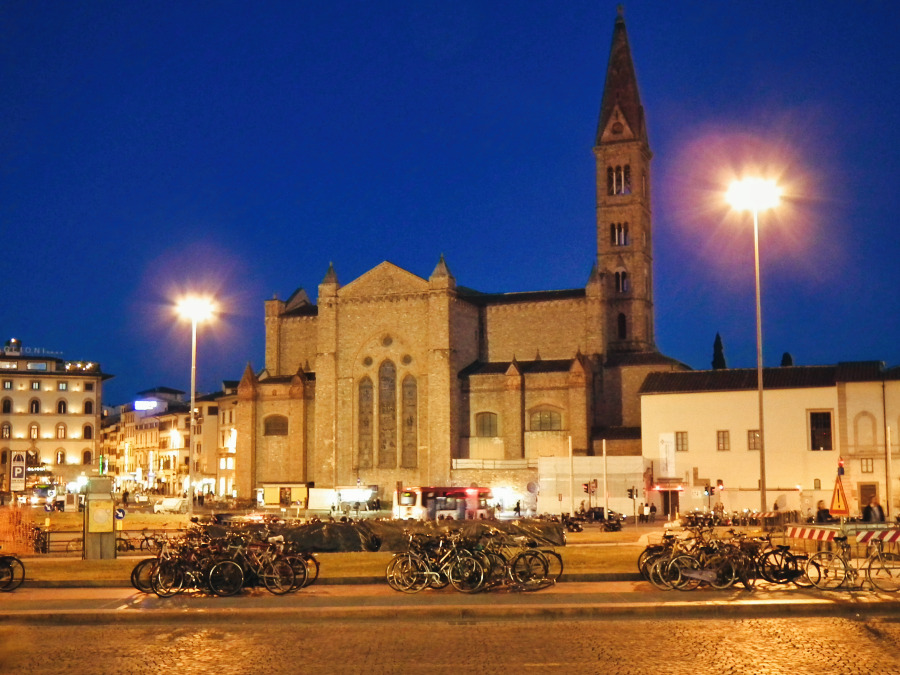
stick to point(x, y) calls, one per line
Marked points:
point(621, 88)
point(441, 277)
point(441, 270)
point(330, 275)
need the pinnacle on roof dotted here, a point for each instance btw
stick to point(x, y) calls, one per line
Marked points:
point(441, 270)
point(330, 275)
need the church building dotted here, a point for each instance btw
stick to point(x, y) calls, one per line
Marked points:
point(393, 378)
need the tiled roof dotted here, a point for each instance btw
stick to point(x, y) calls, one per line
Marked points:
point(526, 367)
point(789, 377)
point(614, 359)
point(485, 299)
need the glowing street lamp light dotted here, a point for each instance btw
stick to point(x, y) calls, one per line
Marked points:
point(756, 194)
point(195, 309)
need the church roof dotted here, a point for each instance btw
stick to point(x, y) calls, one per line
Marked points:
point(625, 358)
point(525, 367)
point(621, 85)
point(484, 299)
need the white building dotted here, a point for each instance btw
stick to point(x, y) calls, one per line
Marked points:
point(700, 429)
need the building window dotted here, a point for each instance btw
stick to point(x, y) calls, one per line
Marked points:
point(621, 279)
point(618, 180)
point(622, 326)
point(89, 386)
point(6, 430)
point(60, 456)
point(275, 425)
point(486, 425)
point(88, 407)
point(36, 385)
point(409, 414)
point(88, 432)
point(618, 234)
point(723, 441)
point(681, 441)
point(34, 407)
point(366, 430)
point(7, 384)
point(62, 386)
point(33, 431)
point(7, 405)
point(817, 484)
point(387, 415)
point(753, 439)
point(867, 465)
point(61, 408)
point(546, 420)
point(820, 430)
point(86, 457)
point(60, 430)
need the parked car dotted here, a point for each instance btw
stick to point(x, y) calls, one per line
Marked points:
point(171, 505)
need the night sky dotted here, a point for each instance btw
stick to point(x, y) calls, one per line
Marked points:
point(149, 148)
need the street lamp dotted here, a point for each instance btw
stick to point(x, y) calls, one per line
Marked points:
point(195, 309)
point(756, 194)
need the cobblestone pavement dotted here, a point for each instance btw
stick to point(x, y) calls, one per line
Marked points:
point(813, 645)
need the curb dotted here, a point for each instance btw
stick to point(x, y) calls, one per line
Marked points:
point(457, 613)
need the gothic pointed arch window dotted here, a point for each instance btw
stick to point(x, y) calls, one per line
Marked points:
point(622, 326)
point(621, 279)
point(387, 415)
point(610, 181)
point(410, 421)
point(366, 429)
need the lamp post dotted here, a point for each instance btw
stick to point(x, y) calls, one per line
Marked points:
point(195, 309)
point(756, 194)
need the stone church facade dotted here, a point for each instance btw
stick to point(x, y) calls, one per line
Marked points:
point(393, 377)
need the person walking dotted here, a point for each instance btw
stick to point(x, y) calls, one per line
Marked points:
point(647, 513)
point(823, 515)
point(873, 513)
point(652, 511)
point(518, 509)
point(641, 512)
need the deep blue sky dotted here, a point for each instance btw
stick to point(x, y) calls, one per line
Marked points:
point(147, 148)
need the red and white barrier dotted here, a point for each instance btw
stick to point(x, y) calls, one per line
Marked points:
point(814, 533)
point(887, 536)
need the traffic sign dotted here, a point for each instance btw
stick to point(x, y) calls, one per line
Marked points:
point(839, 505)
point(119, 514)
point(17, 472)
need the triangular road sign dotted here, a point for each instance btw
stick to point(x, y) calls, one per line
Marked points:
point(839, 505)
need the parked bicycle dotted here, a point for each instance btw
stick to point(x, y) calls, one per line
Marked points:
point(831, 570)
point(12, 573)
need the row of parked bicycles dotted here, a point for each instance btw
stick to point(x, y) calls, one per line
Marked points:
point(700, 558)
point(12, 573)
point(226, 565)
point(493, 560)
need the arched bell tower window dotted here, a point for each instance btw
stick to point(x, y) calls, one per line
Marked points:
point(618, 234)
point(621, 279)
point(622, 327)
point(618, 180)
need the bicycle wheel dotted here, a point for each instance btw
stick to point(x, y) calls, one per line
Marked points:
point(465, 574)
point(801, 563)
point(12, 573)
point(312, 568)
point(725, 572)
point(659, 573)
point(140, 575)
point(167, 578)
point(226, 578)
point(407, 573)
point(278, 577)
point(684, 573)
point(883, 572)
point(301, 574)
point(826, 570)
point(123, 545)
point(528, 566)
point(555, 563)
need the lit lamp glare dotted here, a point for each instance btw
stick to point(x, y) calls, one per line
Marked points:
point(195, 309)
point(756, 194)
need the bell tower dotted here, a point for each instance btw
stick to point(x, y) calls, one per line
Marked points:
point(624, 233)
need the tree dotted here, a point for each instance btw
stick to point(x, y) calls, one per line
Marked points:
point(718, 362)
point(787, 359)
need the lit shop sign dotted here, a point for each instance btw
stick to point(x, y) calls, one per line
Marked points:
point(145, 405)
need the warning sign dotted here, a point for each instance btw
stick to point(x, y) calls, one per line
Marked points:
point(839, 505)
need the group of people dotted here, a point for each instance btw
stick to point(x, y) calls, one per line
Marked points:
point(647, 513)
point(871, 513)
